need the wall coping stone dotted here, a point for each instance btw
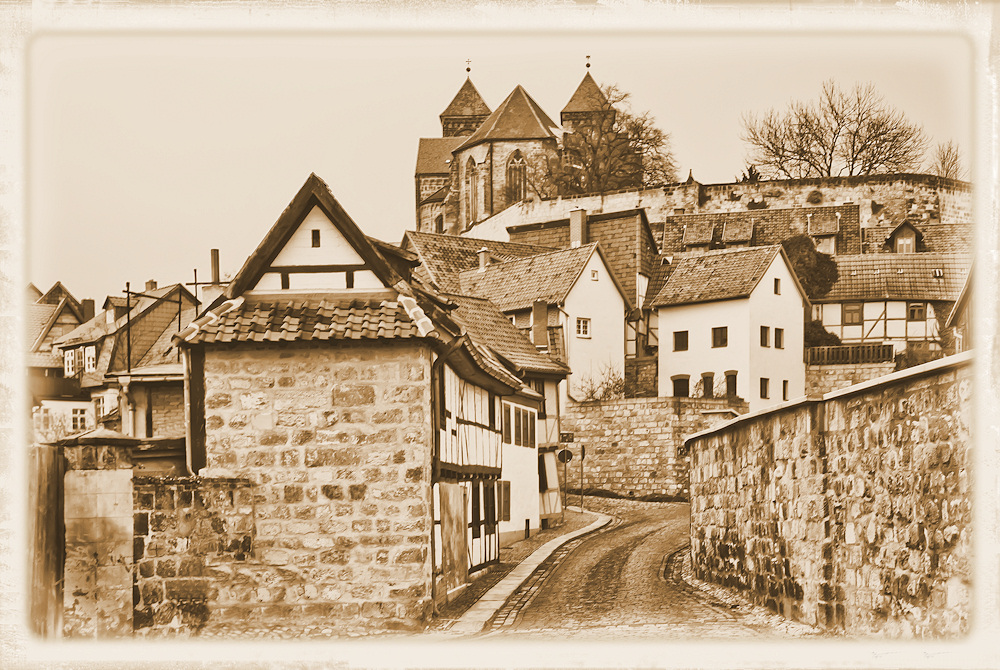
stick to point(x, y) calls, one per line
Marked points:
point(955, 361)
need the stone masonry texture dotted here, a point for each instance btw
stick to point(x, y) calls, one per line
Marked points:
point(851, 513)
point(168, 410)
point(822, 379)
point(635, 445)
point(335, 441)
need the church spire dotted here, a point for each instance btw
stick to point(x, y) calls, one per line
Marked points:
point(466, 111)
point(587, 101)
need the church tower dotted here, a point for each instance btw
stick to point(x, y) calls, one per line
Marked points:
point(465, 113)
point(587, 106)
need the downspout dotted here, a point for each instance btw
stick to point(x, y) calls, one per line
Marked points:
point(491, 179)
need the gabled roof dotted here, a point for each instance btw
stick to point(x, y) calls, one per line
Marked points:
point(517, 118)
point(962, 301)
point(98, 327)
point(515, 285)
point(314, 193)
point(443, 257)
point(33, 292)
point(898, 277)
point(164, 351)
point(491, 329)
point(718, 275)
point(57, 293)
point(587, 98)
point(467, 102)
point(434, 154)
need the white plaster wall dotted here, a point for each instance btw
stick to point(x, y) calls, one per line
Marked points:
point(520, 468)
point(333, 249)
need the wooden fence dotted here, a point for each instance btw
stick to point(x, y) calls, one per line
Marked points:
point(45, 505)
point(850, 353)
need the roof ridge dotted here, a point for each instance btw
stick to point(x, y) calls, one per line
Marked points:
point(533, 256)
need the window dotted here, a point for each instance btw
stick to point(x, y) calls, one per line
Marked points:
point(490, 507)
point(681, 388)
point(78, 419)
point(777, 286)
point(315, 238)
point(827, 244)
point(516, 178)
point(78, 359)
point(582, 327)
point(779, 338)
point(730, 384)
point(593, 275)
point(905, 242)
point(708, 385)
point(764, 384)
point(916, 311)
point(852, 314)
point(475, 521)
point(68, 363)
point(680, 340)
point(543, 477)
point(765, 336)
point(90, 358)
point(43, 419)
point(784, 389)
point(518, 426)
point(506, 424)
point(720, 336)
point(471, 191)
point(439, 223)
point(493, 411)
point(539, 386)
point(504, 495)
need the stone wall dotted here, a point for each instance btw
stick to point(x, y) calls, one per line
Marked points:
point(633, 446)
point(168, 410)
point(335, 440)
point(850, 512)
point(640, 377)
point(822, 379)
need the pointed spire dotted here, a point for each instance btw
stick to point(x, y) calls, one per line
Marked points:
point(588, 97)
point(466, 111)
point(517, 118)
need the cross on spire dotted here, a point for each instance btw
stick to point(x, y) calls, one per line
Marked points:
point(468, 65)
point(588, 62)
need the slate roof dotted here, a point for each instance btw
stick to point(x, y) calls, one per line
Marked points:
point(444, 257)
point(822, 223)
point(716, 275)
point(36, 317)
point(517, 118)
point(467, 102)
point(942, 238)
point(698, 232)
point(98, 327)
point(588, 97)
point(301, 321)
point(737, 230)
point(517, 284)
point(164, 350)
point(898, 277)
point(437, 196)
point(489, 328)
point(434, 154)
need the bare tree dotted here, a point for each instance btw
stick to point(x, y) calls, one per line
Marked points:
point(947, 161)
point(612, 148)
point(842, 133)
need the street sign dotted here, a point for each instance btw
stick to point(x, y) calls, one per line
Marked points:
point(565, 455)
point(565, 437)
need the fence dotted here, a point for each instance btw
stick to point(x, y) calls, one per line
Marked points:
point(849, 353)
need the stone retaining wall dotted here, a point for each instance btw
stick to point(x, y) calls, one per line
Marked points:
point(822, 379)
point(850, 512)
point(632, 445)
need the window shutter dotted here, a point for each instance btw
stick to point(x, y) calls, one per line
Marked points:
point(476, 531)
point(506, 424)
point(505, 505)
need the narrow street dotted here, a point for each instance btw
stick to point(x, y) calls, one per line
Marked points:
point(623, 581)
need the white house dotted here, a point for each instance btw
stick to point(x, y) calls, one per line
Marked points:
point(582, 302)
point(892, 298)
point(731, 323)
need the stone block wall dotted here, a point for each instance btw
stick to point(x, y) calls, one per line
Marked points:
point(640, 377)
point(850, 512)
point(190, 532)
point(336, 440)
point(822, 379)
point(168, 410)
point(634, 446)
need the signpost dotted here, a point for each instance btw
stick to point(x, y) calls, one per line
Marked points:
point(564, 456)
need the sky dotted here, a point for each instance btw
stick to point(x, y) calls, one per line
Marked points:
point(145, 151)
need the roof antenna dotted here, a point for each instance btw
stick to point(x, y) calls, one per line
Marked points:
point(468, 65)
point(588, 62)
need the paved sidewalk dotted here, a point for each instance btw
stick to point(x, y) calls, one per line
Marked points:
point(475, 617)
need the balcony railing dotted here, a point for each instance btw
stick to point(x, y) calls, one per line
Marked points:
point(850, 353)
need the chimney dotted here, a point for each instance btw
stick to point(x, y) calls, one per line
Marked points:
point(151, 285)
point(577, 227)
point(540, 324)
point(484, 258)
point(215, 266)
point(87, 307)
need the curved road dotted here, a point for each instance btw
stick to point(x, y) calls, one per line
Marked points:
point(612, 584)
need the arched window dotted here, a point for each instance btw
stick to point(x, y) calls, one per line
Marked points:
point(516, 178)
point(439, 224)
point(471, 191)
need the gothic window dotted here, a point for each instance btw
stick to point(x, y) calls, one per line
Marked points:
point(439, 224)
point(516, 178)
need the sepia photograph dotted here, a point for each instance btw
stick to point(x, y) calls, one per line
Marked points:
point(465, 331)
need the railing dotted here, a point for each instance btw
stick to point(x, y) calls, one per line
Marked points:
point(850, 353)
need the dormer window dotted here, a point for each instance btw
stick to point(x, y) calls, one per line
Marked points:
point(315, 238)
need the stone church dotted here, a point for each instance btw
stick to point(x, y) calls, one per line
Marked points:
point(483, 162)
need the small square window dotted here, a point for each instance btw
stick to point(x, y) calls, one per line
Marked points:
point(779, 338)
point(852, 314)
point(764, 384)
point(315, 238)
point(680, 340)
point(777, 286)
point(582, 327)
point(916, 311)
point(765, 336)
point(720, 336)
point(593, 275)
point(784, 389)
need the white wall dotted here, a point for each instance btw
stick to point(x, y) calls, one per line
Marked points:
point(602, 303)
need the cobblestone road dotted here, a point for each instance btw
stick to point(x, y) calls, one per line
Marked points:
point(624, 582)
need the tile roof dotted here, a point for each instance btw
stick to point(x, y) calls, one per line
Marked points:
point(942, 238)
point(588, 97)
point(434, 154)
point(898, 277)
point(716, 275)
point(737, 230)
point(467, 102)
point(517, 284)
point(99, 327)
point(698, 232)
point(437, 196)
point(489, 328)
point(444, 257)
point(822, 223)
point(164, 350)
point(517, 118)
point(33, 293)
point(36, 317)
point(301, 320)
